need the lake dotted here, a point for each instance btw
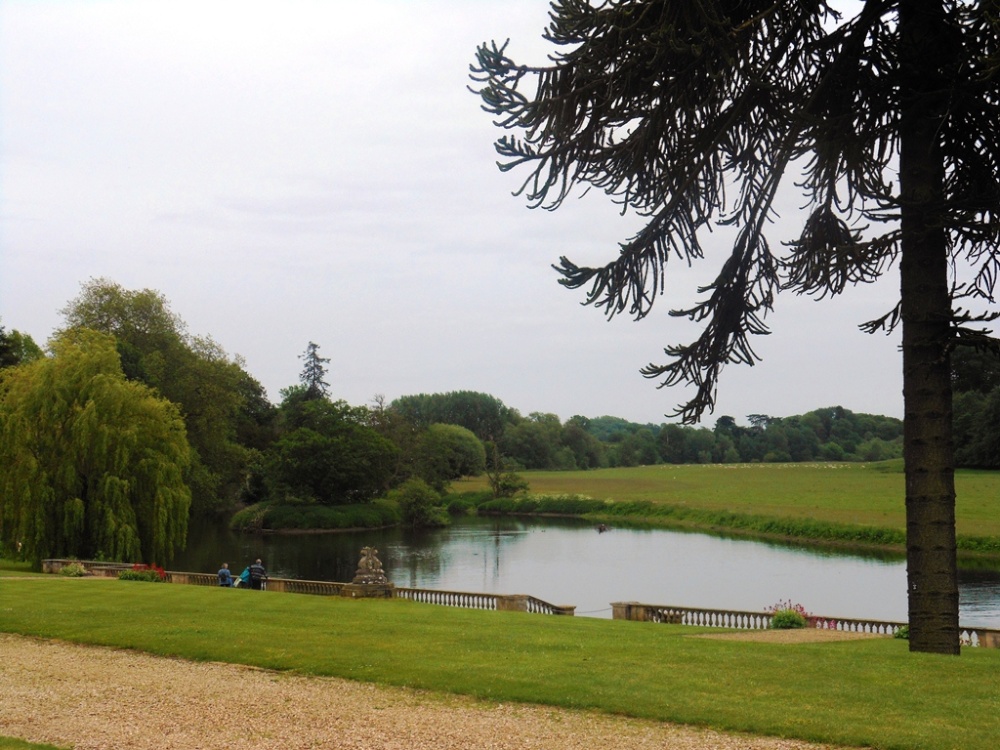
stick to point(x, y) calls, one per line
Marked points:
point(566, 561)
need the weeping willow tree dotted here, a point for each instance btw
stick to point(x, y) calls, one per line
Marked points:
point(696, 112)
point(93, 463)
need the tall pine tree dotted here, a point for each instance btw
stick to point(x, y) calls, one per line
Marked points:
point(314, 372)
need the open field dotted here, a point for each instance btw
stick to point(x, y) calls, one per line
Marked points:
point(867, 692)
point(843, 493)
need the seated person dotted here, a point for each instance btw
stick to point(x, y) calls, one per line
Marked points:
point(225, 577)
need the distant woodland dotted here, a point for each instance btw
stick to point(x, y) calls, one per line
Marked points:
point(241, 448)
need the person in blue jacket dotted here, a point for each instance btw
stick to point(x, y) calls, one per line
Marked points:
point(225, 577)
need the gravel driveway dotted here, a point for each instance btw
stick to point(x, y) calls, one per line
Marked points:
point(94, 698)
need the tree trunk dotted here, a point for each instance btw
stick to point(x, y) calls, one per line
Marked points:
point(932, 568)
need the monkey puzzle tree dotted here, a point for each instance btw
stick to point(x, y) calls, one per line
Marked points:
point(93, 463)
point(697, 112)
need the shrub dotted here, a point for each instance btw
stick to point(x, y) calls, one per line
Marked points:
point(463, 504)
point(150, 573)
point(903, 633)
point(73, 570)
point(251, 518)
point(786, 616)
point(419, 503)
point(787, 619)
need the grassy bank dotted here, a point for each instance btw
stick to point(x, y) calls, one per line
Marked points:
point(853, 503)
point(870, 693)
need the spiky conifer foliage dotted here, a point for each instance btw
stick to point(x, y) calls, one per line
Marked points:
point(696, 113)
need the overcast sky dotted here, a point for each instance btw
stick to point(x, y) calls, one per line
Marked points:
point(288, 172)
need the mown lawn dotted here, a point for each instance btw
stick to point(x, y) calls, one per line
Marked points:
point(860, 494)
point(16, 568)
point(12, 743)
point(867, 693)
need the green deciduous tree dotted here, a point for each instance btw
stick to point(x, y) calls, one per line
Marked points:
point(587, 450)
point(210, 387)
point(485, 416)
point(697, 112)
point(390, 423)
point(93, 464)
point(327, 453)
point(447, 452)
point(17, 347)
point(503, 480)
point(533, 442)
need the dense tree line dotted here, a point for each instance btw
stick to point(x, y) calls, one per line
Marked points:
point(125, 360)
point(830, 434)
point(542, 441)
point(128, 427)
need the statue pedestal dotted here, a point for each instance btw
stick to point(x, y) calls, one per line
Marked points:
point(368, 590)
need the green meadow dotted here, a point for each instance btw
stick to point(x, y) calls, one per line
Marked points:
point(813, 501)
point(862, 693)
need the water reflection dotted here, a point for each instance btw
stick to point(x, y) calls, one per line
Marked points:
point(565, 561)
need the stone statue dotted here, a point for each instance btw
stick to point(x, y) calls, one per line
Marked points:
point(369, 568)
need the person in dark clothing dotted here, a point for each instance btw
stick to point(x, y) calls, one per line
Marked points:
point(225, 576)
point(258, 576)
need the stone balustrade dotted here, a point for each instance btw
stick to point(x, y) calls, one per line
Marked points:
point(475, 600)
point(466, 599)
point(735, 619)
point(739, 620)
point(660, 613)
point(192, 579)
point(296, 586)
point(544, 608)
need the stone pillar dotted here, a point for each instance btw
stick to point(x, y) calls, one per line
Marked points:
point(989, 639)
point(512, 603)
point(623, 610)
point(630, 611)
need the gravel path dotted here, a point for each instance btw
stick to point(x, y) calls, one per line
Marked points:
point(94, 698)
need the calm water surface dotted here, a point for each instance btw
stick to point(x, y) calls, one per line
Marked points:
point(568, 562)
